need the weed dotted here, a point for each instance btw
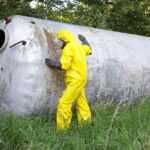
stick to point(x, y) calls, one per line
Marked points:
point(111, 128)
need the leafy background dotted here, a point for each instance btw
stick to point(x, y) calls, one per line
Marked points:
point(129, 16)
point(111, 128)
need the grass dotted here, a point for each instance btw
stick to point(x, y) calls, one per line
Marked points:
point(111, 128)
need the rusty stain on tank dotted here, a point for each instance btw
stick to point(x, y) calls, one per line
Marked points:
point(54, 77)
point(3, 88)
point(2, 68)
point(24, 49)
point(39, 36)
point(92, 30)
point(31, 43)
point(53, 49)
point(10, 77)
point(133, 77)
point(8, 20)
point(113, 60)
point(32, 22)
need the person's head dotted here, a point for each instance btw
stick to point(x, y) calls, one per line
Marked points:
point(66, 36)
point(62, 43)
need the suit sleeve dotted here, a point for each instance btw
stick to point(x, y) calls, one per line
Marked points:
point(87, 49)
point(66, 58)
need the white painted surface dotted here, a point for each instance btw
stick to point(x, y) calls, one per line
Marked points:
point(119, 67)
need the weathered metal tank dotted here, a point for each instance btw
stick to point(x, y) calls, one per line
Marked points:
point(118, 69)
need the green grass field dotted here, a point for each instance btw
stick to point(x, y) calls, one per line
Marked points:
point(111, 128)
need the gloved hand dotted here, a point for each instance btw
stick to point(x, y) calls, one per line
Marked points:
point(81, 37)
point(47, 61)
point(54, 64)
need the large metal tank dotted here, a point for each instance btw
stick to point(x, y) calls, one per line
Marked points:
point(118, 69)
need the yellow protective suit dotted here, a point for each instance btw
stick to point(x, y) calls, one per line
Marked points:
point(73, 60)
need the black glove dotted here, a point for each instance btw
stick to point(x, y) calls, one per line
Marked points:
point(83, 39)
point(54, 64)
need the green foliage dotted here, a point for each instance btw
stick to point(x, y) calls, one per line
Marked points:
point(130, 130)
point(13, 7)
point(96, 2)
point(77, 13)
point(22, 7)
point(128, 16)
point(119, 15)
point(53, 4)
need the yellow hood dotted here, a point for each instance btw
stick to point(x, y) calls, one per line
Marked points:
point(66, 36)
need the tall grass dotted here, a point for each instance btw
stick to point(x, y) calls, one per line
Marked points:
point(111, 128)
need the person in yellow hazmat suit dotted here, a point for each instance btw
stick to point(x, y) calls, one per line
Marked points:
point(73, 61)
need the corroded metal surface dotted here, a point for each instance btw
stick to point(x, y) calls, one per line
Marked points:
point(118, 69)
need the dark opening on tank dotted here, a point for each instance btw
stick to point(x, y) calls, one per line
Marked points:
point(2, 38)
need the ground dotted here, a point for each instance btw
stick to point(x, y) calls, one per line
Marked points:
point(112, 128)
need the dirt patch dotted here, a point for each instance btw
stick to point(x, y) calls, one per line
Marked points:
point(54, 77)
point(2, 69)
point(2, 89)
point(39, 36)
point(8, 20)
point(53, 48)
point(24, 49)
point(10, 77)
point(92, 30)
point(32, 22)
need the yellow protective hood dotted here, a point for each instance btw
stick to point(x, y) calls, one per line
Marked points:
point(66, 36)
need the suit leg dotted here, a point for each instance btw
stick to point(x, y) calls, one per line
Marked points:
point(64, 113)
point(83, 110)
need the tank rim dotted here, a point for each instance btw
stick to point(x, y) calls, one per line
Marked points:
point(5, 40)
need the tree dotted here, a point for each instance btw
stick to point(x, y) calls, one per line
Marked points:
point(130, 16)
point(13, 7)
point(44, 8)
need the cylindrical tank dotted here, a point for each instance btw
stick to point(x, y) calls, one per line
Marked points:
point(118, 69)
